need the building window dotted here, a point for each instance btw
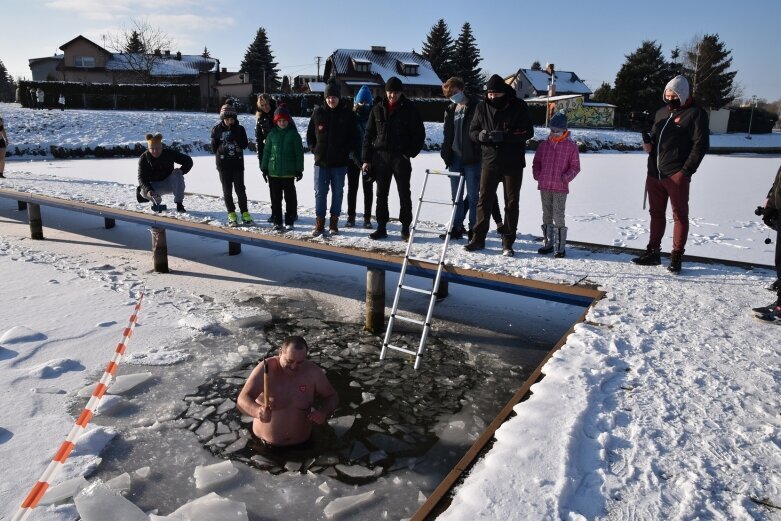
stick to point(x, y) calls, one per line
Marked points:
point(362, 65)
point(84, 61)
point(409, 69)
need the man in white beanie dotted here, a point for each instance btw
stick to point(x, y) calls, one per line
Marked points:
point(678, 141)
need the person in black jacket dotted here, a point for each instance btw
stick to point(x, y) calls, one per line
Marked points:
point(332, 136)
point(678, 141)
point(771, 216)
point(229, 139)
point(157, 175)
point(362, 108)
point(501, 125)
point(394, 134)
point(460, 153)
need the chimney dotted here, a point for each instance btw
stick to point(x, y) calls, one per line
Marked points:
point(378, 49)
point(157, 52)
point(167, 53)
point(179, 55)
point(224, 70)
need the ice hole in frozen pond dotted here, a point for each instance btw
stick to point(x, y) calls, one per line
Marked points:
point(389, 415)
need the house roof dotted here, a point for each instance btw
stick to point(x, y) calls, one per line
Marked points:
point(80, 37)
point(566, 81)
point(56, 57)
point(188, 65)
point(384, 65)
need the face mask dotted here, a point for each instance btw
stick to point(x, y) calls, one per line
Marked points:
point(497, 103)
point(673, 104)
point(458, 97)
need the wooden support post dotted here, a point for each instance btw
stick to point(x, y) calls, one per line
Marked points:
point(159, 250)
point(234, 248)
point(375, 300)
point(21, 206)
point(109, 222)
point(36, 225)
point(443, 290)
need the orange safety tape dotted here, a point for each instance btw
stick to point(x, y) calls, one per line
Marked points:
point(39, 489)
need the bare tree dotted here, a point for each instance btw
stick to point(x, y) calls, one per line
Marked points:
point(140, 36)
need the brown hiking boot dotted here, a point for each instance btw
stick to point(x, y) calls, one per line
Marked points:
point(651, 257)
point(675, 261)
point(333, 225)
point(319, 228)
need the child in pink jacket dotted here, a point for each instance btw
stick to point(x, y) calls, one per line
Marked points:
point(556, 163)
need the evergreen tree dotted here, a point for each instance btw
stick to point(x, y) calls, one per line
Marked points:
point(604, 94)
point(7, 84)
point(259, 63)
point(438, 50)
point(676, 65)
point(134, 44)
point(708, 62)
point(286, 84)
point(640, 82)
point(466, 60)
point(536, 66)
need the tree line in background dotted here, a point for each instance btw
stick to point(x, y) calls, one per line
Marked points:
point(7, 84)
point(459, 57)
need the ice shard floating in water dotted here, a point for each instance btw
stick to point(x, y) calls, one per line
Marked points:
point(212, 475)
point(65, 490)
point(210, 508)
point(98, 502)
point(345, 504)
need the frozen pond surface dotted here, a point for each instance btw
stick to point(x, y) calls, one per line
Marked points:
point(394, 436)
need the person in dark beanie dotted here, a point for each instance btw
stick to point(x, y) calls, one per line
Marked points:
point(679, 140)
point(229, 139)
point(394, 134)
point(264, 122)
point(157, 175)
point(283, 161)
point(332, 136)
point(501, 125)
point(362, 107)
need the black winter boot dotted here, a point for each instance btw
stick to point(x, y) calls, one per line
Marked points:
point(651, 257)
point(675, 261)
point(508, 240)
point(548, 240)
point(405, 232)
point(560, 242)
point(379, 233)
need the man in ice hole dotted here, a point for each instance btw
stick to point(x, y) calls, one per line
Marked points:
point(285, 417)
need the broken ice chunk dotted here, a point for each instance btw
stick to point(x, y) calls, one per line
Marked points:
point(120, 483)
point(143, 472)
point(345, 504)
point(205, 431)
point(226, 406)
point(97, 502)
point(342, 424)
point(126, 382)
point(65, 490)
point(210, 508)
point(235, 446)
point(212, 475)
point(110, 404)
point(355, 471)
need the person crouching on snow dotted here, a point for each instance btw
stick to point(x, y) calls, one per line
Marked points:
point(283, 161)
point(229, 139)
point(556, 163)
point(157, 175)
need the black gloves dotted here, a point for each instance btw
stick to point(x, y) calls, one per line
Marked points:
point(494, 136)
point(265, 176)
point(299, 176)
point(367, 177)
point(770, 218)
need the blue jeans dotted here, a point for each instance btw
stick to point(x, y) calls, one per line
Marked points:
point(471, 174)
point(325, 178)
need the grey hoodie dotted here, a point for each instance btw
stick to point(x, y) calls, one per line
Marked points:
point(680, 86)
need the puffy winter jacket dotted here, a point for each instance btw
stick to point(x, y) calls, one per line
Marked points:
point(332, 135)
point(228, 144)
point(514, 127)
point(679, 141)
point(470, 150)
point(555, 164)
point(774, 195)
point(264, 123)
point(283, 154)
point(400, 132)
point(157, 169)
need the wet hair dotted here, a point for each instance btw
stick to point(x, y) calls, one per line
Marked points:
point(296, 342)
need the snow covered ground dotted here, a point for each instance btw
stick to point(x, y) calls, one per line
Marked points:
point(663, 405)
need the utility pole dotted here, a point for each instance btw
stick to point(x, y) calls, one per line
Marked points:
point(263, 70)
point(318, 58)
point(751, 118)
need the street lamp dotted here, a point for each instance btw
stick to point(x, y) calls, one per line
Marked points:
point(751, 118)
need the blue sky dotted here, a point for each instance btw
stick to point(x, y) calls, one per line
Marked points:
point(590, 38)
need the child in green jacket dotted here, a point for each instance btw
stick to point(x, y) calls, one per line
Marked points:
point(283, 161)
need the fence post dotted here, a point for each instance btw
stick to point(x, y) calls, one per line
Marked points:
point(21, 206)
point(375, 300)
point(109, 222)
point(159, 250)
point(36, 225)
point(234, 248)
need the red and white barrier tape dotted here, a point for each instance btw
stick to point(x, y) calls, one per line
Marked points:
point(37, 492)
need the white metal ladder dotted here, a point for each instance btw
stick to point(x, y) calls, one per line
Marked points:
point(426, 324)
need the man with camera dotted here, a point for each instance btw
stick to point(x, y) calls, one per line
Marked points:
point(771, 214)
point(676, 145)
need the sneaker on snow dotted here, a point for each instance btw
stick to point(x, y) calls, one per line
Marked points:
point(246, 218)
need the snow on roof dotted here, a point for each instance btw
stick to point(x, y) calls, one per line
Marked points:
point(566, 81)
point(386, 64)
point(316, 86)
point(188, 65)
point(359, 82)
